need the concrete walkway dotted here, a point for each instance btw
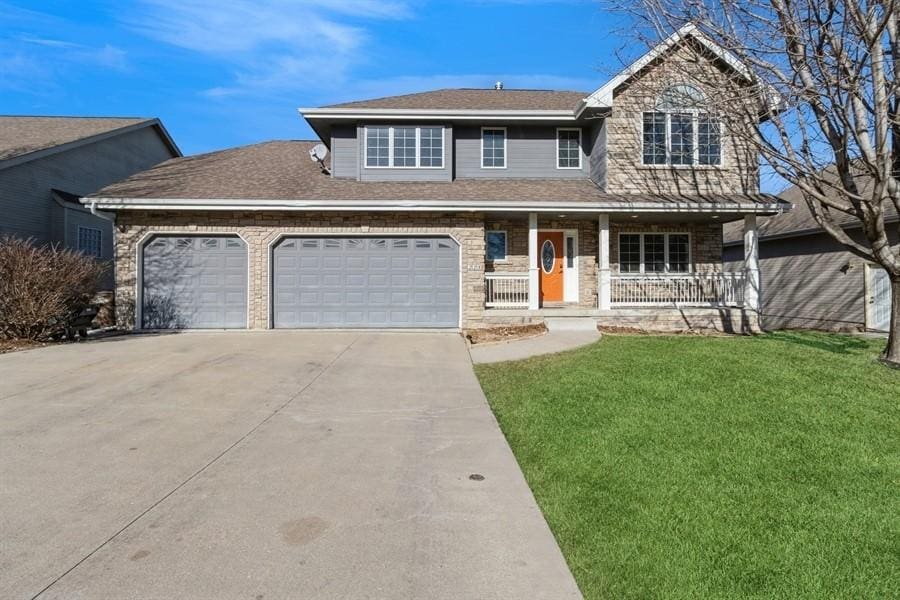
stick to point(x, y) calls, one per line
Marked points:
point(549, 343)
point(262, 465)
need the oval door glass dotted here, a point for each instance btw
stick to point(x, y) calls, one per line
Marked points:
point(548, 256)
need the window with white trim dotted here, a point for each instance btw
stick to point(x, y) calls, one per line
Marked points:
point(90, 241)
point(404, 147)
point(654, 253)
point(495, 246)
point(493, 148)
point(680, 132)
point(568, 148)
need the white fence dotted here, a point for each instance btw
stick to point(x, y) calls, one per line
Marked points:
point(506, 290)
point(689, 289)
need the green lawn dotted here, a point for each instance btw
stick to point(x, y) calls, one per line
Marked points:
point(730, 467)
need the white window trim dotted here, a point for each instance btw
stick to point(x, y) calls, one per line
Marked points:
point(505, 246)
point(505, 149)
point(390, 164)
point(667, 271)
point(99, 239)
point(696, 112)
point(580, 151)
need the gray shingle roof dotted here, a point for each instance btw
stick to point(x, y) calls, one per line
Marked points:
point(282, 170)
point(24, 135)
point(798, 221)
point(475, 99)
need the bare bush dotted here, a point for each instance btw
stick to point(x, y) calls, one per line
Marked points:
point(42, 288)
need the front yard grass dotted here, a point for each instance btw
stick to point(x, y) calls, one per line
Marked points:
point(690, 467)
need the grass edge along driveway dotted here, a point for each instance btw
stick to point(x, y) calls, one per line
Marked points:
point(714, 467)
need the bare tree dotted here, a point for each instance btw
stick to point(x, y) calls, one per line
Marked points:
point(823, 110)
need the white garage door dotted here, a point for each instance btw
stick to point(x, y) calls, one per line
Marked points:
point(194, 282)
point(366, 282)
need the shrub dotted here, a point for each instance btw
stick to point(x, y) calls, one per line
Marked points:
point(42, 288)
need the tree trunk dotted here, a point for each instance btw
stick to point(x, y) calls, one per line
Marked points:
point(892, 352)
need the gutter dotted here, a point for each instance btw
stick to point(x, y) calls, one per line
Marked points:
point(102, 215)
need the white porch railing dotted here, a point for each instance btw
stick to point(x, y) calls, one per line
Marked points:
point(506, 290)
point(688, 289)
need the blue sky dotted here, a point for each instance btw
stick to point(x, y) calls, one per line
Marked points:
point(222, 73)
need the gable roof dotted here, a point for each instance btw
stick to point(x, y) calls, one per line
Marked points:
point(603, 96)
point(280, 176)
point(24, 138)
point(475, 99)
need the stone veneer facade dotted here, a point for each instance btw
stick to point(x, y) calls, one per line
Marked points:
point(261, 229)
point(626, 175)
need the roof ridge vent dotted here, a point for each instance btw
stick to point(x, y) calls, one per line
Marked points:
point(498, 86)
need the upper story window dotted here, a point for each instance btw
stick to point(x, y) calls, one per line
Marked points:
point(568, 148)
point(654, 252)
point(404, 147)
point(90, 241)
point(680, 132)
point(493, 148)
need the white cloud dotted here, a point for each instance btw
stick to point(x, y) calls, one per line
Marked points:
point(271, 45)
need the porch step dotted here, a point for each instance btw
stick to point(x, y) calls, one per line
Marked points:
point(570, 323)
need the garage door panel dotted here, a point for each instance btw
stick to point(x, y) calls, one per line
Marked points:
point(366, 282)
point(194, 282)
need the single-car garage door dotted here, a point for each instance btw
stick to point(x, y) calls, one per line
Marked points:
point(366, 282)
point(194, 282)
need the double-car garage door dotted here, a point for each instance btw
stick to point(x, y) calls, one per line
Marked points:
point(325, 282)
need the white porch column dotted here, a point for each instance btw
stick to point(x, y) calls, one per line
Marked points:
point(604, 283)
point(751, 264)
point(533, 284)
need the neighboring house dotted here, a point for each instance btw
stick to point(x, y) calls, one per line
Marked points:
point(48, 163)
point(457, 209)
point(810, 281)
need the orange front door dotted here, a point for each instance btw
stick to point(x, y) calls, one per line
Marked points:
point(550, 265)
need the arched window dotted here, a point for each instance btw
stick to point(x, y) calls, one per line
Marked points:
point(680, 131)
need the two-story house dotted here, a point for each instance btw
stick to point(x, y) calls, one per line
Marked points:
point(48, 163)
point(459, 208)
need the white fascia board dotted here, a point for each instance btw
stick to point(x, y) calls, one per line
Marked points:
point(428, 206)
point(400, 114)
point(603, 97)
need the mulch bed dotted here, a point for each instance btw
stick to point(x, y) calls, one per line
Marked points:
point(504, 334)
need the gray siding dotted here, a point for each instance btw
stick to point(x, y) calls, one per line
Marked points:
point(598, 155)
point(406, 174)
point(808, 282)
point(530, 153)
point(26, 206)
point(344, 152)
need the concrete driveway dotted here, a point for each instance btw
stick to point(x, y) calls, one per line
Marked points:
point(262, 465)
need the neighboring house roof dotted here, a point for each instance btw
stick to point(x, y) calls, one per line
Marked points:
point(280, 174)
point(796, 222)
point(25, 138)
point(474, 99)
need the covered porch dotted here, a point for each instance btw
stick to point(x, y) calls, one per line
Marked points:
point(606, 264)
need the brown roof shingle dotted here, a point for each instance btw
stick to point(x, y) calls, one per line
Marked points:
point(23, 135)
point(475, 99)
point(282, 170)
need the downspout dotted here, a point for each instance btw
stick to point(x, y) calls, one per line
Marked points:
point(97, 213)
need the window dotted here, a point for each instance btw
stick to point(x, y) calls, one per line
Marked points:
point(496, 245)
point(89, 241)
point(654, 253)
point(679, 132)
point(432, 147)
point(568, 148)
point(493, 148)
point(378, 147)
point(404, 147)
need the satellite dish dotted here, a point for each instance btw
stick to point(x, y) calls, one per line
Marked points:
point(318, 153)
